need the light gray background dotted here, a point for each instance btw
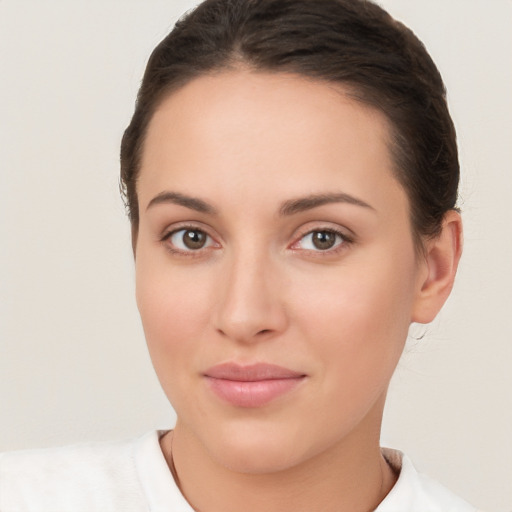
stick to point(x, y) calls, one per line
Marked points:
point(73, 363)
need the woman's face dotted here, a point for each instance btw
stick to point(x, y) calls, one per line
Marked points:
point(276, 270)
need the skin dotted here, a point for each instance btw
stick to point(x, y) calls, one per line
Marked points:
point(247, 143)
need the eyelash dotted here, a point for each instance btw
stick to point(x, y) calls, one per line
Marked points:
point(345, 241)
point(190, 253)
point(342, 245)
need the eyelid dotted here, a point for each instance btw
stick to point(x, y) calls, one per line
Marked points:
point(184, 226)
point(347, 236)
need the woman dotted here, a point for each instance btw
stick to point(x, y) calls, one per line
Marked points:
point(291, 177)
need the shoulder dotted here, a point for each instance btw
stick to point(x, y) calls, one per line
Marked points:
point(95, 476)
point(416, 491)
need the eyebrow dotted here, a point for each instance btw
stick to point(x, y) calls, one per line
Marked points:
point(290, 207)
point(193, 203)
point(302, 204)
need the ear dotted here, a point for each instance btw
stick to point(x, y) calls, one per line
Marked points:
point(439, 266)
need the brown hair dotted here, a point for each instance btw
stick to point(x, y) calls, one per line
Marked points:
point(351, 42)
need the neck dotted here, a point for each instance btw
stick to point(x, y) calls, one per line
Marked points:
point(351, 476)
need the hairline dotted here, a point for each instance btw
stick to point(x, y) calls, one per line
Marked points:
point(353, 90)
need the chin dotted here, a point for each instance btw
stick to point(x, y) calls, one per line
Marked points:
point(254, 447)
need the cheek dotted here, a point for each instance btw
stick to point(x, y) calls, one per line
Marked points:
point(174, 312)
point(359, 318)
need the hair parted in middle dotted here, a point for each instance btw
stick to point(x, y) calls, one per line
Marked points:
point(351, 43)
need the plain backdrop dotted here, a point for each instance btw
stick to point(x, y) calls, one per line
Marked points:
point(73, 362)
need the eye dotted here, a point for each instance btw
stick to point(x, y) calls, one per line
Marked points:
point(187, 240)
point(321, 240)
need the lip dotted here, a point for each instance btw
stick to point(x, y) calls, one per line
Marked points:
point(253, 385)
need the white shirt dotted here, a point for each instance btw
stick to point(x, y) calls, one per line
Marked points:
point(133, 476)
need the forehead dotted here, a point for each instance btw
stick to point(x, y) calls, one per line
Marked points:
point(242, 131)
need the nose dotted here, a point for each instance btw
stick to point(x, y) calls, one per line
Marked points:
point(250, 305)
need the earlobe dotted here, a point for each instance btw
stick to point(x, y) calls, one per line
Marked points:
point(442, 255)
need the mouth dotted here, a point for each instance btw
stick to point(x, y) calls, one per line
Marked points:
point(252, 385)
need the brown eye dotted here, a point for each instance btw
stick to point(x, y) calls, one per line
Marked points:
point(189, 239)
point(321, 240)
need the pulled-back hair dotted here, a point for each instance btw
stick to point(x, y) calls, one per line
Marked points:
point(353, 43)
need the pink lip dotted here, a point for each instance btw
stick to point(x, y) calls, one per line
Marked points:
point(253, 385)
